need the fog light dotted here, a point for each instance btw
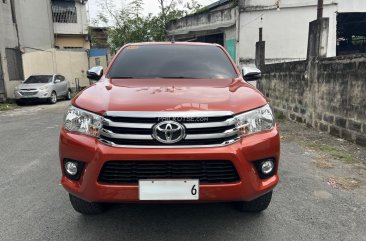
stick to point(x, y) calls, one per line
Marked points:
point(267, 167)
point(71, 168)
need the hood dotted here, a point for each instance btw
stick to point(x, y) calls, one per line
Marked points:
point(170, 95)
point(32, 86)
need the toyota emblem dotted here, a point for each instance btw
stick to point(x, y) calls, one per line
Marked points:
point(168, 132)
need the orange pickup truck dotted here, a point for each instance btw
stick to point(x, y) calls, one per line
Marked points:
point(169, 122)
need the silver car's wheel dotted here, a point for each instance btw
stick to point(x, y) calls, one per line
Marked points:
point(53, 98)
point(68, 96)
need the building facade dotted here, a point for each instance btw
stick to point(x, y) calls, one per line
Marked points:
point(70, 23)
point(23, 28)
point(35, 37)
point(99, 53)
point(285, 25)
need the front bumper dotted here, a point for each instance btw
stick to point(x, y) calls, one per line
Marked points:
point(242, 154)
point(33, 95)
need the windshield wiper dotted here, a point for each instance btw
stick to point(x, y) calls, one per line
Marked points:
point(123, 77)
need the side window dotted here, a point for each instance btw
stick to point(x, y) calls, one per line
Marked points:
point(57, 77)
point(62, 78)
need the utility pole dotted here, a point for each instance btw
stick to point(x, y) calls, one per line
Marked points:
point(320, 9)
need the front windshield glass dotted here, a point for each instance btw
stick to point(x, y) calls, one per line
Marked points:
point(172, 61)
point(39, 79)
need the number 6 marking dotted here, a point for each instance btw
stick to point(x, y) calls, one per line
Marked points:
point(194, 190)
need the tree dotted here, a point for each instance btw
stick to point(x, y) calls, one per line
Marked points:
point(136, 6)
point(129, 25)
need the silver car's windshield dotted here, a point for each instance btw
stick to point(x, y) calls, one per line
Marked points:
point(39, 79)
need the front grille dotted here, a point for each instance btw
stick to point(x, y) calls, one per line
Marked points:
point(135, 129)
point(130, 172)
point(30, 93)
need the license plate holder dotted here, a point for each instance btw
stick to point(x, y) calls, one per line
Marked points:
point(169, 190)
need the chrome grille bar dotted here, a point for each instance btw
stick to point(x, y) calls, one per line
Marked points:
point(134, 129)
point(228, 133)
point(125, 136)
point(107, 122)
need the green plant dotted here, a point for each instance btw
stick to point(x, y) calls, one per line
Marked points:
point(7, 106)
point(279, 115)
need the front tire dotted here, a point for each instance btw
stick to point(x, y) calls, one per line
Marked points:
point(85, 207)
point(68, 95)
point(53, 98)
point(19, 102)
point(257, 205)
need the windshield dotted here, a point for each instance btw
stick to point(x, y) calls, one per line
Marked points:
point(39, 79)
point(172, 61)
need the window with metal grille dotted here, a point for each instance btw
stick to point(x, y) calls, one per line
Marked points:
point(64, 12)
point(15, 65)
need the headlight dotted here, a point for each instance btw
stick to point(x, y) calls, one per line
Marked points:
point(16, 88)
point(83, 122)
point(255, 121)
point(44, 87)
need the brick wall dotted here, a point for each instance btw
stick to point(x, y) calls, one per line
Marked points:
point(328, 94)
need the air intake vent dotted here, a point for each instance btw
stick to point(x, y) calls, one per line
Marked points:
point(130, 172)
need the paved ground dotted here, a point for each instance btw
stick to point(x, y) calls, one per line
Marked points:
point(312, 201)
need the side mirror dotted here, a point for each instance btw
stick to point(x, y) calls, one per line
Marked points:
point(95, 73)
point(251, 73)
point(57, 81)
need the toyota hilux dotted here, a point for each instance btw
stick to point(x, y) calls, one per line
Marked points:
point(169, 122)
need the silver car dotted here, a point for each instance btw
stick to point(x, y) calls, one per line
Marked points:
point(43, 87)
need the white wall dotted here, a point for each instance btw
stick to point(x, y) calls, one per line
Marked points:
point(285, 31)
point(34, 19)
point(8, 39)
point(351, 6)
point(287, 3)
point(71, 64)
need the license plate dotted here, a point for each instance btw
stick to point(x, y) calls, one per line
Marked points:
point(168, 190)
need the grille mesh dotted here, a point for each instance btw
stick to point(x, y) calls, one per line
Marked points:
point(129, 172)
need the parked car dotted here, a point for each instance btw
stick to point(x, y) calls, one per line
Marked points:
point(42, 88)
point(180, 127)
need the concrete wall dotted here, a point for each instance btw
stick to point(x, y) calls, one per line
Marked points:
point(344, 5)
point(222, 18)
point(351, 6)
point(285, 32)
point(34, 19)
point(35, 30)
point(71, 64)
point(327, 94)
point(75, 41)
point(8, 39)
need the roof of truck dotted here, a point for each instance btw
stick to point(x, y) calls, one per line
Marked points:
point(172, 43)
